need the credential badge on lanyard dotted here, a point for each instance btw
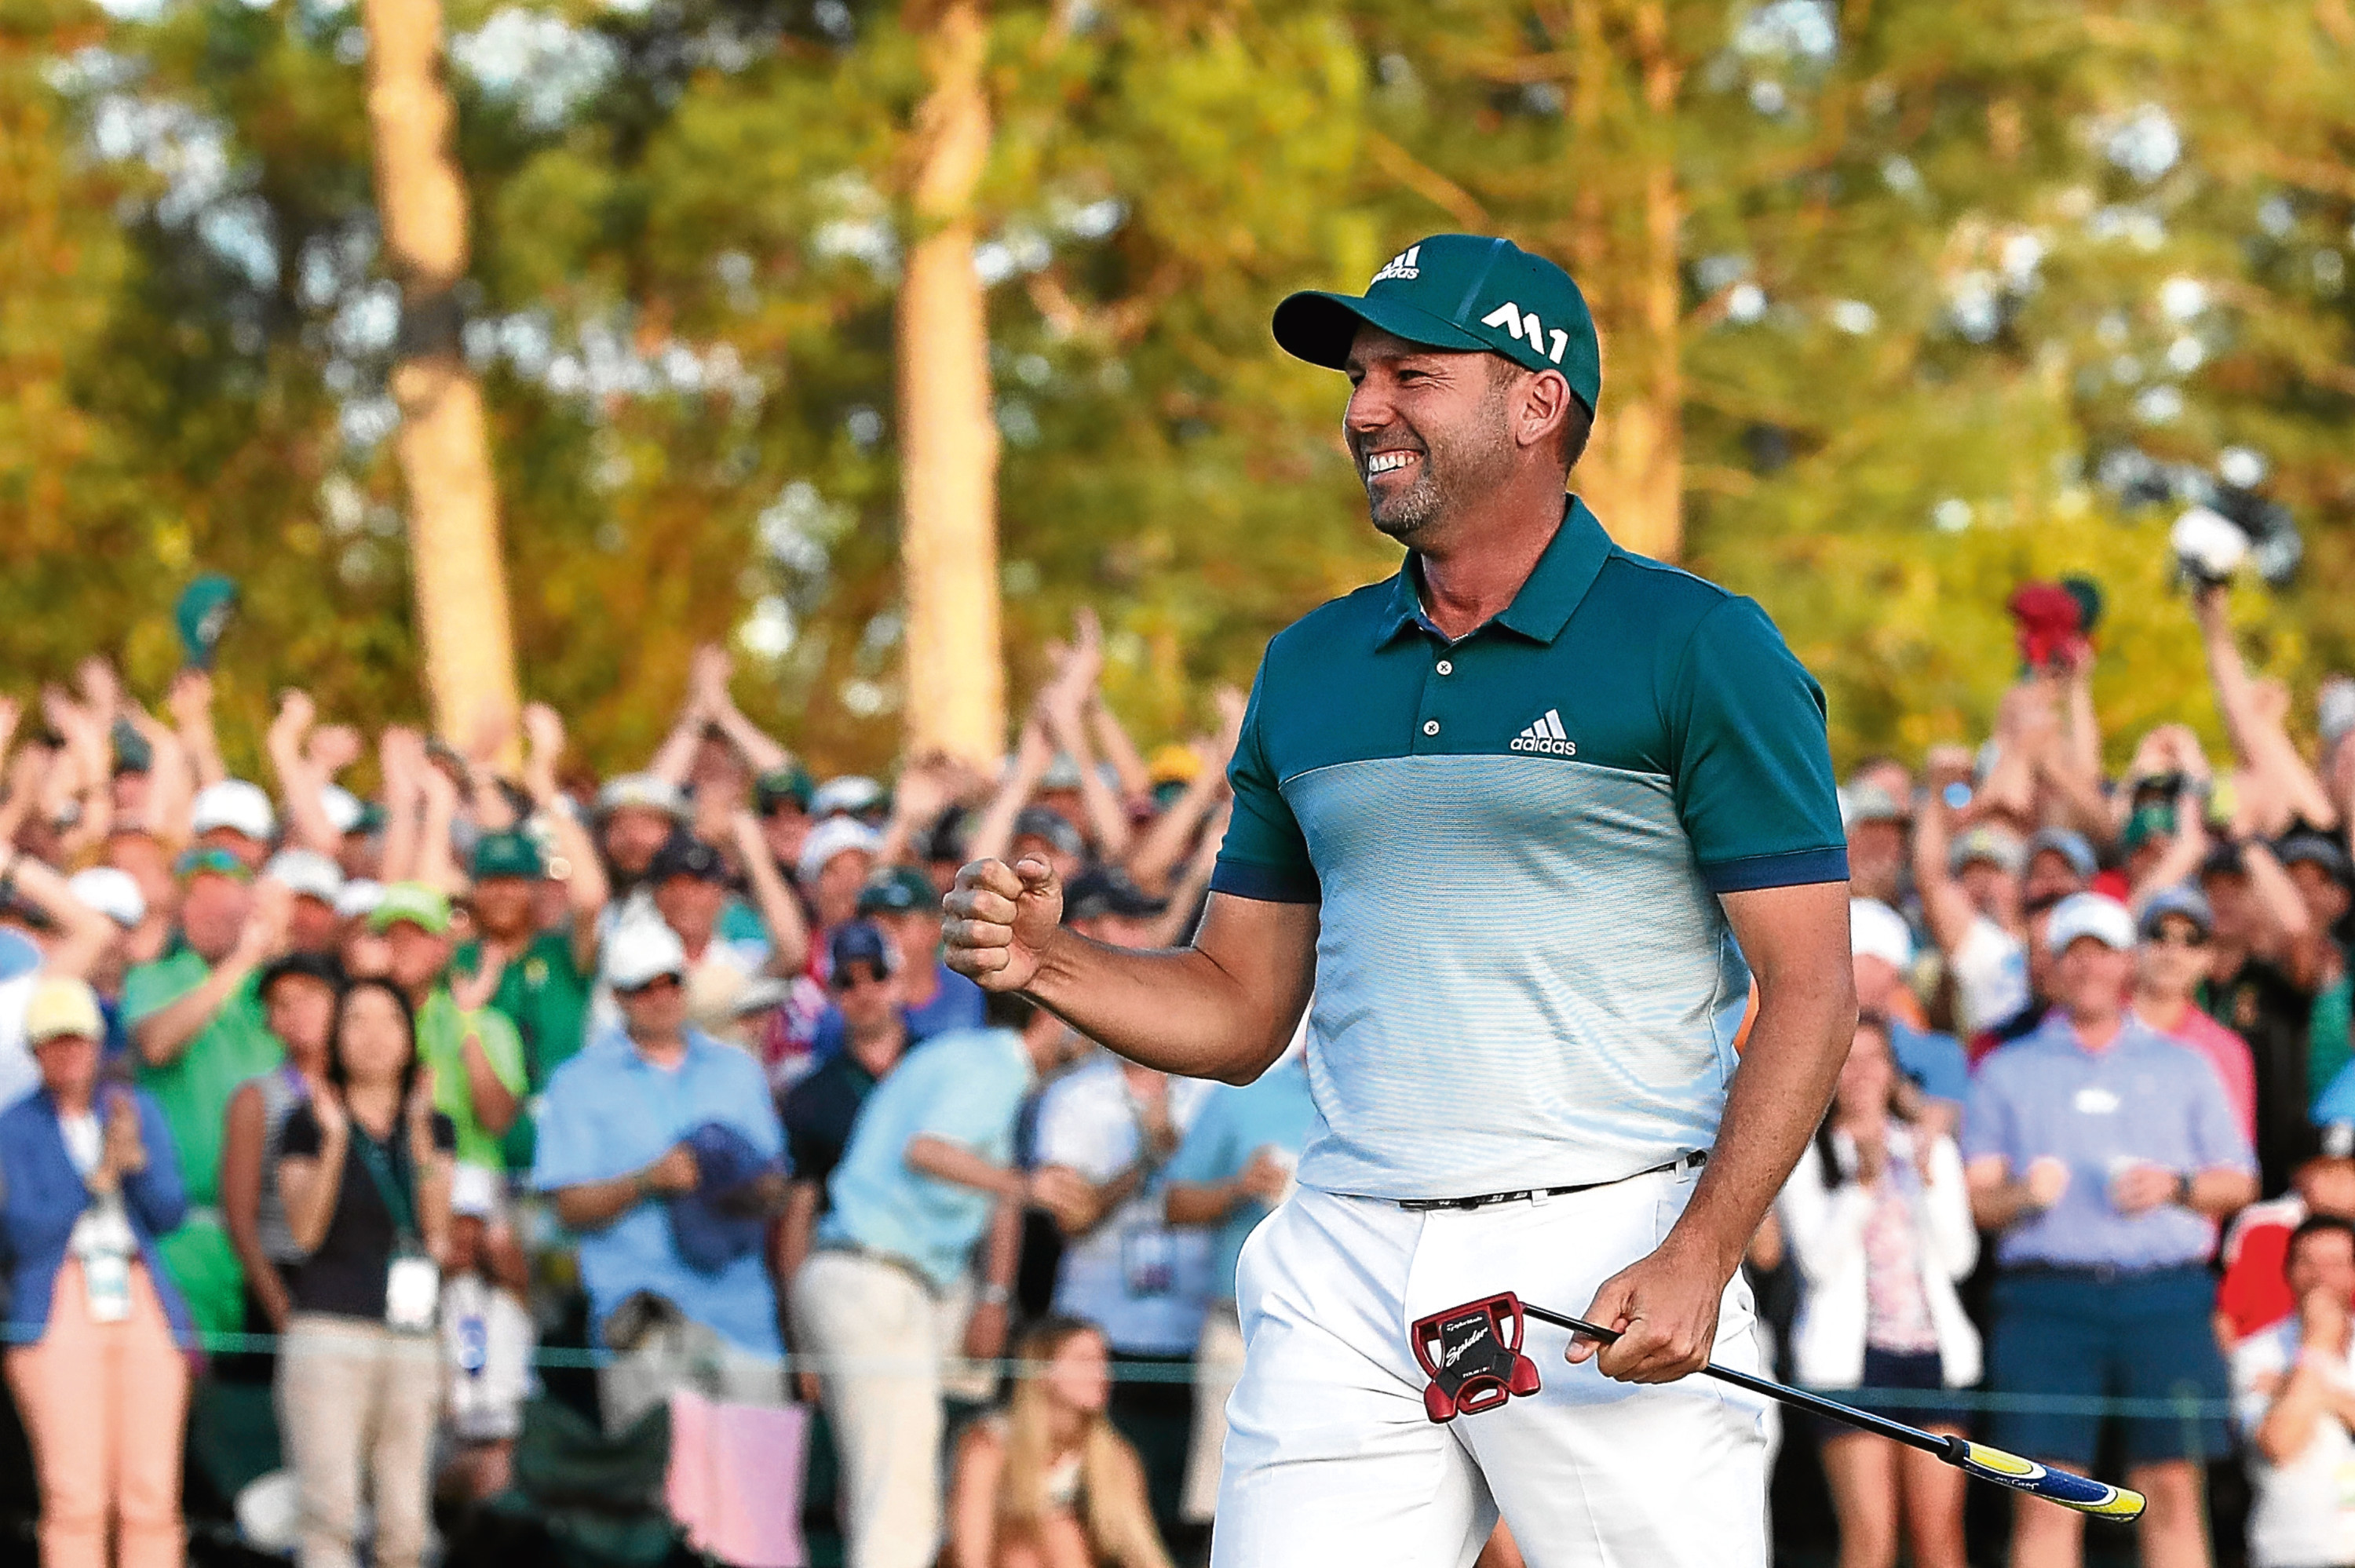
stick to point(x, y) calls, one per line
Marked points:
point(412, 1281)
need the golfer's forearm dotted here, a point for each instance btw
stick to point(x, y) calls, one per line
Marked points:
point(1177, 1010)
point(1776, 1099)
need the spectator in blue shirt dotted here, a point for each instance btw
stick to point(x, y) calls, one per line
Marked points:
point(928, 1164)
point(1234, 1167)
point(903, 902)
point(614, 1152)
point(2103, 1155)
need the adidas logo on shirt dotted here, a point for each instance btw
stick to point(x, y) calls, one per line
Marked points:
point(1546, 735)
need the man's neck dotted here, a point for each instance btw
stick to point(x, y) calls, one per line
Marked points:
point(2161, 1011)
point(661, 1049)
point(1471, 576)
point(923, 980)
point(2097, 1031)
point(879, 1049)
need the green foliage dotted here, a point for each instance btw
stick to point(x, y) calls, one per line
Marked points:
point(1917, 253)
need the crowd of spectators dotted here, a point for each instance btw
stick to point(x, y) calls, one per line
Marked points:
point(389, 1099)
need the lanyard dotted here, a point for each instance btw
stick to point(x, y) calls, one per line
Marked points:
point(386, 1169)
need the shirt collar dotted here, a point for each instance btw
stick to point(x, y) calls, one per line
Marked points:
point(1573, 560)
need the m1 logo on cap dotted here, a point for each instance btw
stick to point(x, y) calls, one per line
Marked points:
point(1402, 265)
point(1519, 323)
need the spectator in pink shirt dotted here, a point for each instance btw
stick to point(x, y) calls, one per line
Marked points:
point(2169, 965)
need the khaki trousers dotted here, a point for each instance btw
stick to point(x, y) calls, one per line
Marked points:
point(357, 1404)
point(105, 1406)
point(877, 1333)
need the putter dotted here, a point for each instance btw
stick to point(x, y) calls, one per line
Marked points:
point(1473, 1356)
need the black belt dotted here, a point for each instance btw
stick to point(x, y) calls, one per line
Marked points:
point(1692, 1162)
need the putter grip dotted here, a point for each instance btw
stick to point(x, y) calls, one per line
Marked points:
point(2071, 1491)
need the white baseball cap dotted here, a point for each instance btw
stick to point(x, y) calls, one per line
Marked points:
point(850, 794)
point(641, 790)
point(2091, 915)
point(639, 950)
point(236, 805)
point(308, 875)
point(359, 898)
point(834, 836)
point(1877, 931)
point(112, 893)
point(344, 810)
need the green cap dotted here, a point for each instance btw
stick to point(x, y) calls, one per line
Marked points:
point(202, 616)
point(506, 855)
point(2158, 817)
point(899, 890)
point(211, 859)
point(779, 784)
point(414, 902)
point(1466, 292)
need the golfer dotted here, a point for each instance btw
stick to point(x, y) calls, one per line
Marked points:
point(1527, 818)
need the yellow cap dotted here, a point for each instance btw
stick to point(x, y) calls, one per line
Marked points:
point(59, 1006)
point(1175, 764)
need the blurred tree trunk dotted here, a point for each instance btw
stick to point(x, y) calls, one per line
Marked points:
point(948, 436)
point(1622, 244)
point(443, 449)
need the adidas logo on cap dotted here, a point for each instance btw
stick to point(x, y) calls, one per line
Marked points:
point(1546, 735)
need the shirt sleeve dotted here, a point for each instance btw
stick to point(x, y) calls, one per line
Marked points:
point(2217, 1141)
point(2257, 1369)
point(564, 1151)
point(1988, 1126)
point(1265, 857)
point(502, 1045)
point(1752, 765)
point(974, 1109)
point(151, 988)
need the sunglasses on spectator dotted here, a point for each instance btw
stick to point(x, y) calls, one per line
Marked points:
point(850, 977)
point(654, 986)
point(2179, 938)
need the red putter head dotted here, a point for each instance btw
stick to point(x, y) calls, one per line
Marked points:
point(1472, 1354)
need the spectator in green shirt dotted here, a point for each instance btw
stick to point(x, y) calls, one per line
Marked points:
point(196, 1023)
point(540, 980)
point(475, 1056)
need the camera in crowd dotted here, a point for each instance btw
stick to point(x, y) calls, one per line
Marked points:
point(2226, 523)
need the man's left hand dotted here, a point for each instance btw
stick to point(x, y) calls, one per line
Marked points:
point(1665, 1308)
point(2142, 1187)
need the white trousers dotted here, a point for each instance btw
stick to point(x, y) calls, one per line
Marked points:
point(1330, 1458)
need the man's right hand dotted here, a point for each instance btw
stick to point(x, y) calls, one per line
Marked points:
point(1001, 918)
point(676, 1173)
point(2046, 1179)
point(1063, 1193)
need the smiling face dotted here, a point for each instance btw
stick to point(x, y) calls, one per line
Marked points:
point(1430, 430)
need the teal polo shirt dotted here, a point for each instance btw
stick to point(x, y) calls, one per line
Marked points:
point(1516, 838)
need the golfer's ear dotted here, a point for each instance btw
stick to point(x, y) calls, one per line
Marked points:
point(1544, 402)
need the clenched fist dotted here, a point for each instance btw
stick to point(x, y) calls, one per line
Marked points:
point(1001, 920)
